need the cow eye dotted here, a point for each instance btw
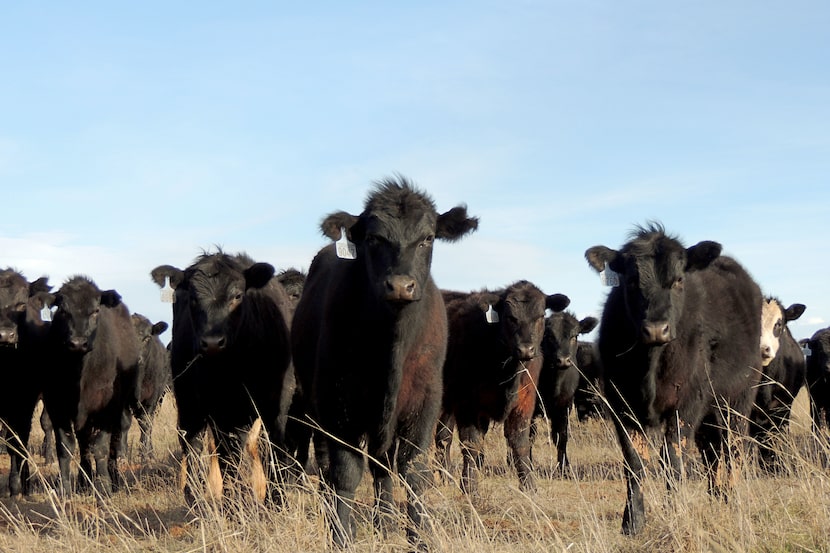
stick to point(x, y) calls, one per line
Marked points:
point(427, 242)
point(678, 283)
point(20, 307)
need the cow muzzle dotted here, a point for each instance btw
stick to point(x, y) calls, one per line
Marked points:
point(526, 352)
point(8, 336)
point(211, 345)
point(78, 344)
point(401, 289)
point(656, 332)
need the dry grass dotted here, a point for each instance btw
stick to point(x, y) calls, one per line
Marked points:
point(790, 512)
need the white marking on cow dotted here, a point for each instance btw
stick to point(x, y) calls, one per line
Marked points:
point(772, 325)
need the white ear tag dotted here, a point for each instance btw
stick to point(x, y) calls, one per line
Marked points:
point(491, 315)
point(344, 247)
point(806, 350)
point(608, 277)
point(167, 294)
point(46, 313)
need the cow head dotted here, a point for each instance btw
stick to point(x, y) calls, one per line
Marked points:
point(818, 361)
point(79, 303)
point(210, 293)
point(651, 269)
point(145, 330)
point(774, 318)
point(561, 339)
point(394, 237)
point(14, 295)
point(521, 317)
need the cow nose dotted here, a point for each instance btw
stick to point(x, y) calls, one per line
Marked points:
point(8, 336)
point(401, 288)
point(78, 344)
point(563, 361)
point(766, 353)
point(656, 332)
point(526, 352)
point(213, 344)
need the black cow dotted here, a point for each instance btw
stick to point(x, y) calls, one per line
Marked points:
point(22, 361)
point(92, 380)
point(561, 376)
point(492, 372)
point(784, 375)
point(818, 377)
point(588, 399)
point(369, 340)
point(679, 346)
point(230, 354)
point(154, 378)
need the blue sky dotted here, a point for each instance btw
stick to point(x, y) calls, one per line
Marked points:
point(137, 135)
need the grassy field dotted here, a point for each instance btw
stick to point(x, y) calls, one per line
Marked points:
point(582, 512)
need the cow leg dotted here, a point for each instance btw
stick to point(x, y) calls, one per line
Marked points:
point(190, 441)
point(559, 436)
point(380, 466)
point(517, 434)
point(85, 472)
point(20, 429)
point(105, 457)
point(343, 475)
point(634, 449)
point(48, 447)
point(145, 426)
point(672, 452)
point(471, 438)
point(412, 467)
point(65, 447)
point(443, 442)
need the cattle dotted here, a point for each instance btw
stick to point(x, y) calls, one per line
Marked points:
point(22, 360)
point(154, 377)
point(494, 358)
point(588, 399)
point(92, 380)
point(561, 376)
point(818, 377)
point(784, 375)
point(230, 354)
point(678, 341)
point(369, 339)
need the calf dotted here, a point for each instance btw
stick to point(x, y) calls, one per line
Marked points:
point(588, 399)
point(679, 346)
point(23, 363)
point(92, 379)
point(369, 339)
point(154, 377)
point(230, 355)
point(561, 376)
point(784, 375)
point(491, 374)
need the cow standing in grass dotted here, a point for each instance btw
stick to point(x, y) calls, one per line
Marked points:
point(92, 380)
point(491, 374)
point(230, 355)
point(679, 345)
point(561, 376)
point(784, 375)
point(154, 377)
point(369, 339)
point(23, 365)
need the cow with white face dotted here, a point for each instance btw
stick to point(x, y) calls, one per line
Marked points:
point(774, 318)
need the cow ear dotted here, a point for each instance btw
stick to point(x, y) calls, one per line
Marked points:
point(486, 299)
point(454, 224)
point(158, 328)
point(557, 302)
point(598, 256)
point(588, 324)
point(332, 224)
point(42, 299)
point(794, 311)
point(702, 254)
point(176, 275)
point(40, 285)
point(110, 298)
point(258, 275)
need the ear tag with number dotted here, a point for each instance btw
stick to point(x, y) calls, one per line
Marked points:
point(344, 247)
point(608, 277)
point(167, 293)
point(491, 315)
point(46, 313)
point(806, 350)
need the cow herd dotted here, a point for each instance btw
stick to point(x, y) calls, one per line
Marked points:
point(364, 357)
